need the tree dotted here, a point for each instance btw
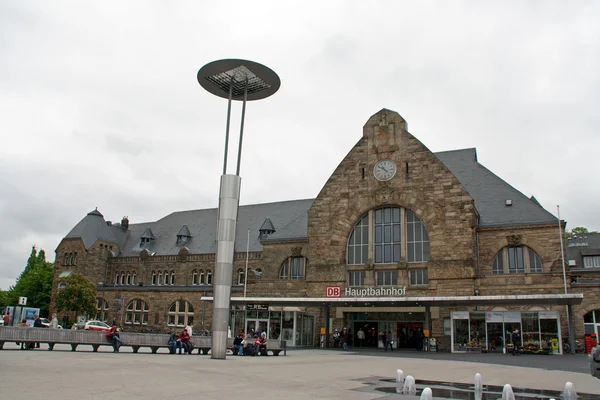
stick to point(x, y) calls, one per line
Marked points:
point(35, 282)
point(578, 230)
point(75, 293)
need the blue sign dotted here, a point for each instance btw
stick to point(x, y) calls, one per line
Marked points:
point(29, 313)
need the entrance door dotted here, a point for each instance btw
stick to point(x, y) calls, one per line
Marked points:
point(406, 334)
point(509, 328)
point(495, 337)
point(370, 330)
point(260, 325)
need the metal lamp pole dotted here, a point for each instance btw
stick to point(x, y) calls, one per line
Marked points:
point(244, 80)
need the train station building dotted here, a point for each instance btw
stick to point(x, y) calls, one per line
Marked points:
point(399, 239)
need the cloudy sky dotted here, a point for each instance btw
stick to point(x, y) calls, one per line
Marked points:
point(100, 107)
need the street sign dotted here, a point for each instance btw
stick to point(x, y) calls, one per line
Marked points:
point(333, 291)
point(22, 301)
point(259, 307)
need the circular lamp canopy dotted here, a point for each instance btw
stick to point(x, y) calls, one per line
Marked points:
point(219, 76)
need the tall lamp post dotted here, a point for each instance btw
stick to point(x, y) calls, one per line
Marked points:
point(240, 80)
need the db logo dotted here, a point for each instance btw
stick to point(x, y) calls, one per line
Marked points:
point(334, 291)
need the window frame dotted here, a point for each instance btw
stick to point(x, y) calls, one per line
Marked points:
point(390, 275)
point(507, 260)
point(291, 266)
point(133, 313)
point(175, 312)
point(354, 276)
point(420, 275)
point(593, 261)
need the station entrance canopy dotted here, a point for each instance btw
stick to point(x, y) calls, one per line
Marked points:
point(450, 301)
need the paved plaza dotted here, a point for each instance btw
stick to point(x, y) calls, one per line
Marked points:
point(317, 374)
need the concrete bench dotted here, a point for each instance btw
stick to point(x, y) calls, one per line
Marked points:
point(74, 338)
point(272, 346)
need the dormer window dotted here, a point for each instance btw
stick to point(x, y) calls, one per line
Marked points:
point(147, 237)
point(266, 229)
point(183, 236)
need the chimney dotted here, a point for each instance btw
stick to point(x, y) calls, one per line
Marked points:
point(125, 223)
point(109, 223)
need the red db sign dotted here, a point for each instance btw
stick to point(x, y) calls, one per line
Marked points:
point(333, 291)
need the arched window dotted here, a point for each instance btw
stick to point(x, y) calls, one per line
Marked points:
point(102, 307)
point(293, 268)
point(122, 277)
point(385, 227)
point(358, 242)
point(172, 277)
point(137, 312)
point(195, 277)
point(166, 281)
point(202, 277)
point(181, 313)
point(117, 278)
point(516, 260)
point(240, 276)
point(258, 272)
point(128, 278)
point(153, 278)
point(160, 278)
point(209, 277)
point(133, 279)
point(66, 261)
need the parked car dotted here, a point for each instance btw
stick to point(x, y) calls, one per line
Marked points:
point(96, 326)
point(46, 323)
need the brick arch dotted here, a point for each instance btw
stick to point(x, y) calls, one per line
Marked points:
point(583, 311)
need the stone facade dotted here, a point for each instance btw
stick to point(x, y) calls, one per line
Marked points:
point(460, 260)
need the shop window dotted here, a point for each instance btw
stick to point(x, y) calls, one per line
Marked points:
point(181, 313)
point(388, 225)
point(418, 277)
point(293, 268)
point(591, 262)
point(195, 277)
point(516, 260)
point(386, 278)
point(136, 313)
point(356, 278)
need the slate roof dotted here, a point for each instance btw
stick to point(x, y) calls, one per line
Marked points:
point(91, 228)
point(290, 218)
point(491, 192)
point(587, 244)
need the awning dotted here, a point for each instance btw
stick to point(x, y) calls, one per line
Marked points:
point(401, 301)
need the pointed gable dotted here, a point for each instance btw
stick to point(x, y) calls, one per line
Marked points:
point(91, 228)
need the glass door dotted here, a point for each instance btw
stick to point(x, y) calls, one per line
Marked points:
point(257, 325)
point(495, 339)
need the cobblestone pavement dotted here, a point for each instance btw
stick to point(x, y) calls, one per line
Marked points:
point(317, 374)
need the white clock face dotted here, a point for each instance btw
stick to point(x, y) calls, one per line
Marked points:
point(384, 170)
